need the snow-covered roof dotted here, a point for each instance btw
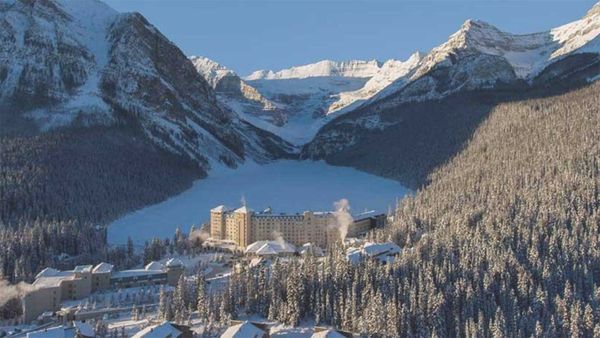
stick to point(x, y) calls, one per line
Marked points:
point(310, 248)
point(103, 268)
point(353, 255)
point(174, 262)
point(244, 330)
point(375, 249)
point(84, 329)
point(329, 333)
point(53, 332)
point(384, 252)
point(135, 272)
point(47, 272)
point(154, 266)
point(50, 277)
point(244, 210)
point(220, 208)
point(263, 248)
point(83, 268)
point(163, 330)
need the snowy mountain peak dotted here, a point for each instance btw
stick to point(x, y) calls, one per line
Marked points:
point(352, 68)
point(212, 71)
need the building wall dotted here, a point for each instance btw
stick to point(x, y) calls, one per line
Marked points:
point(297, 229)
point(100, 281)
point(217, 225)
point(173, 274)
point(83, 284)
point(39, 301)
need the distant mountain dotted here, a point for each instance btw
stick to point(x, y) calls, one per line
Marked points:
point(424, 117)
point(111, 86)
point(66, 63)
point(353, 68)
point(302, 98)
point(236, 94)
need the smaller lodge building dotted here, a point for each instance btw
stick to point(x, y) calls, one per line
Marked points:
point(51, 286)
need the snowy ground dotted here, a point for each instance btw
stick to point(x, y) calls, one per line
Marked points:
point(286, 186)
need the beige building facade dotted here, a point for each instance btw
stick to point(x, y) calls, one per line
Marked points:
point(244, 226)
point(51, 287)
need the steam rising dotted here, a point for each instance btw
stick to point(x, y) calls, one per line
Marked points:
point(277, 237)
point(343, 218)
point(10, 291)
point(199, 234)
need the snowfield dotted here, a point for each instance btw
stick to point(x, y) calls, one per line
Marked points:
point(286, 186)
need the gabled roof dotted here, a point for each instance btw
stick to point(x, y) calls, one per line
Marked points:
point(163, 330)
point(47, 272)
point(376, 249)
point(244, 210)
point(244, 330)
point(270, 248)
point(174, 262)
point(83, 268)
point(154, 266)
point(310, 248)
point(103, 268)
point(220, 208)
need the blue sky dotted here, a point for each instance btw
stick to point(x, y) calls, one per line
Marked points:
point(249, 35)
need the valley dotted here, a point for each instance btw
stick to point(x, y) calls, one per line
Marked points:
point(451, 193)
point(285, 186)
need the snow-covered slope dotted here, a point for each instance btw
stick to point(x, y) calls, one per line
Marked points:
point(236, 94)
point(66, 62)
point(307, 97)
point(480, 55)
point(389, 72)
point(353, 68)
point(447, 92)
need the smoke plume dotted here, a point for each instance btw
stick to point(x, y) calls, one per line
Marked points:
point(199, 234)
point(10, 291)
point(343, 218)
point(277, 237)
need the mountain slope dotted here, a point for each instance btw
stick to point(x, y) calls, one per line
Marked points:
point(427, 115)
point(307, 97)
point(79, 73)
point(111, 68)
point(512, 225)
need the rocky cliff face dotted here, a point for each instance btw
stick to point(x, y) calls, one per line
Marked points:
point(82, 63)
point(425, 116)
point(236, 93)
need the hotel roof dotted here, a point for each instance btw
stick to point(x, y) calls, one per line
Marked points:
point(83, 268)
point(270, 248)
point(220, 208)
point(174, 262)
point(159, 331)
point(244, 210)
point(154, 266)
point(54, 280)
point(103, 268)
point(245, 329)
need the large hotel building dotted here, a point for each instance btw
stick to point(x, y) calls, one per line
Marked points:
point(244, 226)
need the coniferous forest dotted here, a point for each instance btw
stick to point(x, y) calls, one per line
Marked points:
point(504, 242)
point(498, 135)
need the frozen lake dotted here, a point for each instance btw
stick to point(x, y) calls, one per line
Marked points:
point(286, 186)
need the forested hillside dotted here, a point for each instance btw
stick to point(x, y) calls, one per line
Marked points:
point(88, 175)
point(504, 242)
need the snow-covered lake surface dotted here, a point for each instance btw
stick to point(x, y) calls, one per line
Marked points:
point(286, 186)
